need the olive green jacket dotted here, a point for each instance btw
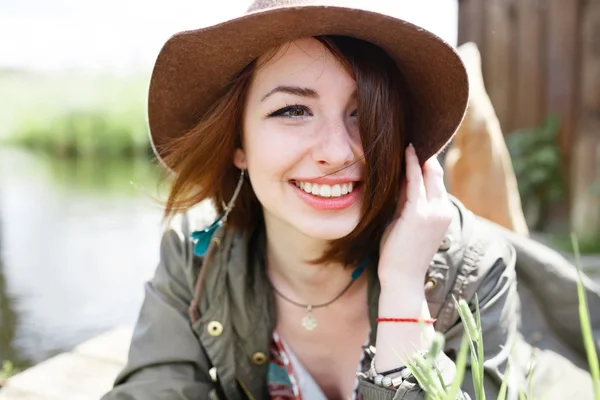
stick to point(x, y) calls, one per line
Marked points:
point(222, 354)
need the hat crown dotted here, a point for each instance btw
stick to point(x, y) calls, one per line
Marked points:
point(260, 5)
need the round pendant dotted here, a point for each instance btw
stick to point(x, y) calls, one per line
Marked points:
point(309, 322)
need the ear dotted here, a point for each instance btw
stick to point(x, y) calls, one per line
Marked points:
point(239, 158)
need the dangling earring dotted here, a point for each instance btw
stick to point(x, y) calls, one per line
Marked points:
point(202, 238)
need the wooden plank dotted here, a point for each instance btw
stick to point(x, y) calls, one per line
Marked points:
point(85, 373)
point(470, 21)
point(529, 101)
point(498, 67)
point(112, 346)
point(9, 393)
point(585, 213)
point(67, 376)
point(562, 65)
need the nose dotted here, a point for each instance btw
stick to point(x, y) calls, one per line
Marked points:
point(334, 146)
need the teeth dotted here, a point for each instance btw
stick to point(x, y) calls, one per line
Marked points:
point(336, 190)
point(325, 191)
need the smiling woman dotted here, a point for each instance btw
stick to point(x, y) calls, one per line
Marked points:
point(337, 249)
point(302, 105)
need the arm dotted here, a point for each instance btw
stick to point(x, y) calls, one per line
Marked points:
point(407, 248)
point(165, 357)
point(491, 274)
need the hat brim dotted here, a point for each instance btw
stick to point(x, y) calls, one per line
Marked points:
point(194, 67)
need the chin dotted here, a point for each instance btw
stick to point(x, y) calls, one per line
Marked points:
point(327, 231)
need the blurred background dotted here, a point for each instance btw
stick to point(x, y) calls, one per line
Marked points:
point(79, 191)
point(80, 217)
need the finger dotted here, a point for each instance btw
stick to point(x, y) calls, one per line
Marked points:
point(433, 178)
point(415, 189)
point(401, 198)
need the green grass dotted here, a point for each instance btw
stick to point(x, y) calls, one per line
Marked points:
point(586, 245)
point(584, 315)
point(75, 114)
point(108, 176)
point(6, 371)
point(428, 377)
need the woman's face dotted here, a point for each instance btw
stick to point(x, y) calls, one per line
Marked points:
point(301, 144)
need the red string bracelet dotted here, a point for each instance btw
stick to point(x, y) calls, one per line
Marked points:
point(426, 320)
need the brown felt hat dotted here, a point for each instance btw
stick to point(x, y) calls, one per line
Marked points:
point(194, 67)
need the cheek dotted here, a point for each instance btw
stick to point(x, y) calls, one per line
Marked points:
point(269, 150)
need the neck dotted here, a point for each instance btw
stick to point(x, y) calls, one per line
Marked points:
point(291, 269)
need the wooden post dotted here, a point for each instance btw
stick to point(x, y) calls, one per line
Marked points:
point(529, 102)
point(585, 211)
point(470, 21)
point(562, 32)
point(499, 70)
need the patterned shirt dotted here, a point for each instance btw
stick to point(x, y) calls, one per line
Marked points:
point(289, 380)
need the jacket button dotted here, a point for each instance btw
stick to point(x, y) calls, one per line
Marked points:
point(215, 328)
point(430, 283)
point(259, 358)
point(446, 242)
point(213, 374)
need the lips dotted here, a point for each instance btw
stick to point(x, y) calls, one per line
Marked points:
point(325, 190)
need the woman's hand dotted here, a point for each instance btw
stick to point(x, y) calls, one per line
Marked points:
point(421, 221)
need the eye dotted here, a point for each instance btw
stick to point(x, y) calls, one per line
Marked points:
point(293, 111)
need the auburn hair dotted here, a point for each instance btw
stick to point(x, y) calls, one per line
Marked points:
point(202, 159)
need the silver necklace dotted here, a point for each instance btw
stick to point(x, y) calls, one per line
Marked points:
point(309, 322)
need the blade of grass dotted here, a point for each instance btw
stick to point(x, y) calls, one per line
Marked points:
point(441, 380)
point(480, 353)
point(530, 377)
point(424, 381)
point(421, 376)
point(504, 387)
point(471, 328)
point(437, 344)
point(586, 328)
point(461, 365)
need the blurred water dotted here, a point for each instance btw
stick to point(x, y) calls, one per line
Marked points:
point(77, 241)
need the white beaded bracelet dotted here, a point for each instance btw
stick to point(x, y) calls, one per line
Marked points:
point(387, 381)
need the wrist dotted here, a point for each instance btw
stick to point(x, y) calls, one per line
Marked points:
point(405, 281)
point(399, 273)
point(403, 301)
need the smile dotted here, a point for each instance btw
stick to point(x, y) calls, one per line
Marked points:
point(323, 190)
point(331, 196)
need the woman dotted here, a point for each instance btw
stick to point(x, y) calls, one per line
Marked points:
point(336, 236)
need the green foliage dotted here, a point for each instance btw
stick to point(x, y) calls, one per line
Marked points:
point(424, 370)
point(563, 242)
point(7, 370)
point(75, 114)
point(595, 188)
point(586, 327)
point(108, 176)
point(536, 160)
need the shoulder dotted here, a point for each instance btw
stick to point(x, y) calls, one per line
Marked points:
point(178, 265)
point(480, 261)
point(485, 253)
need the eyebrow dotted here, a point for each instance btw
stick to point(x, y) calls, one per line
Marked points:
point(295, 90)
